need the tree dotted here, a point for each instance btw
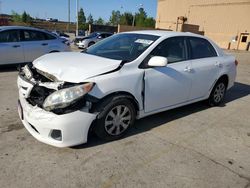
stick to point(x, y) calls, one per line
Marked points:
point(24, 17)
point(115, 17)
point(90, 19)
point(100, 21)
point(81, 19)
point(16, 17)
point(140, 17)
point(126, 18)
point(149, 22)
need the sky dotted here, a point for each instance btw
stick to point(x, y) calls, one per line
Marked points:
point(58, 9)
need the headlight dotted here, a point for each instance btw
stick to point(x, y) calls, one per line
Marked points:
point(27, 72)
point(64, 97)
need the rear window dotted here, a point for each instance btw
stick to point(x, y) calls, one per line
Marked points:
point(10, 36)
point(201, 48)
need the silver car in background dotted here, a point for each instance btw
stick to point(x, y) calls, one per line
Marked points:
point(24, 44)
point(92, 39)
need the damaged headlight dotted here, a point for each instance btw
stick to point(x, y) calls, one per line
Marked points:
point(64, 97)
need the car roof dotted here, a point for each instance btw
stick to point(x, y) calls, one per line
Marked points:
point(19, 27)
point(162, 33)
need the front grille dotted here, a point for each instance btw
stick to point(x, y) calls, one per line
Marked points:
point(38, 95)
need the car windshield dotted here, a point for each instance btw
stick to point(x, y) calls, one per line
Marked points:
point(126, 46)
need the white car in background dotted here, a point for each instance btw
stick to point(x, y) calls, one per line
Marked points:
point(25, 44)
point(125, 77)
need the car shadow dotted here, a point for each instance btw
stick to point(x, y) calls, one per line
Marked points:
point(11, 68)
point(238, 91)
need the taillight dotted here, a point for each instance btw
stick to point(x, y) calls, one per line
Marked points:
point(236, 62)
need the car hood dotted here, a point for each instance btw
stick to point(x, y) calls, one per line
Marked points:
point(74, 66)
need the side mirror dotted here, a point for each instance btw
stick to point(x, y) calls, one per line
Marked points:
point(158, 61)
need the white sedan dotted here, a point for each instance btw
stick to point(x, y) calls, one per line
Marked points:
point(25, 44)
point(123, 78)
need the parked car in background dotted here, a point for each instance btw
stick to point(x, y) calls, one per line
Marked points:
point(63, 36)
point(25, 44)
point(125, 77)
point(92, 39)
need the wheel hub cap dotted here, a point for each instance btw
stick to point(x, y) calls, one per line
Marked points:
point(117, 120)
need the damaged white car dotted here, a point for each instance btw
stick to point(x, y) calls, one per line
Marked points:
point(125, 77)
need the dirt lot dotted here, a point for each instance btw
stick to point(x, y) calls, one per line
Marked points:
point(192, 146)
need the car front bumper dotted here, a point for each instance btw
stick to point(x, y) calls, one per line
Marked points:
point(41, 124)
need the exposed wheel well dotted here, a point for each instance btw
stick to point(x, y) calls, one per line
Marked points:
point(124, 94)
point(224, 78)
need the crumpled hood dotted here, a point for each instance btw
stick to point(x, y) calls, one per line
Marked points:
point(74, 66)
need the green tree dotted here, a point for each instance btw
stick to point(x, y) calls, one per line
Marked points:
point(100, 21)
point(16, 17)
point(140, 17)
point(126, 18)
point(90, 19)
point(81, 19)
point(115, 17)
point(149, 22)
point(24, 17)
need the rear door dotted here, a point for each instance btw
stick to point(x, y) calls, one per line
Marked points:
point(34, 44)
point(205, 66)
point(11, 50)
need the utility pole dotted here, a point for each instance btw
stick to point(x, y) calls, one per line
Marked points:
point(77, 11)
point(68, 15)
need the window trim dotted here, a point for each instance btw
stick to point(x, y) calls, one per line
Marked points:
point(143, 64)
point(190, 48)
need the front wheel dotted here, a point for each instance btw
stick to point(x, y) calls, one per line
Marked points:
point(116, 116)
point(218, 93)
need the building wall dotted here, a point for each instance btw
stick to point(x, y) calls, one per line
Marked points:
point(221, 20)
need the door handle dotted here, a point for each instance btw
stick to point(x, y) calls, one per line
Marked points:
point(16, 46)
point(188, 69)
point(44, 44)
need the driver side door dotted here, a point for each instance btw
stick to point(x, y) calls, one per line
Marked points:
point(166, 87)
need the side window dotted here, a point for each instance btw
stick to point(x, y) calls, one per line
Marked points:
point(33, 35)
point(102, 36)
point(10, 36)
point(201, 48)
point(174, 49)
point(49, 36)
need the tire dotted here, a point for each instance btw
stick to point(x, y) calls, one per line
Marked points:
point(109, 124)
point(90, 44)
point(218, 93)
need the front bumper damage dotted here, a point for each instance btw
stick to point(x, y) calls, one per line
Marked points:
point(60, 130)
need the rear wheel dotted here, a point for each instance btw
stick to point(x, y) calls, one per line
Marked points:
point(218, 93)
point(116, 116)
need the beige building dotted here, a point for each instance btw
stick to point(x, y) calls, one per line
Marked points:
point(227, 22)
